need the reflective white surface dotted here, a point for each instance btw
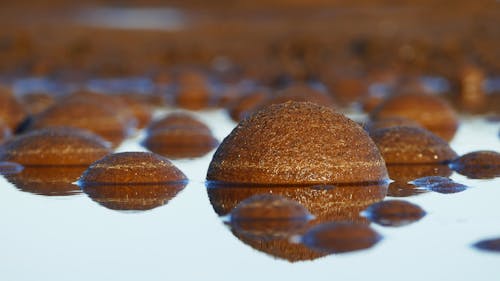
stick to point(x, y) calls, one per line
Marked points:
point(74, 238)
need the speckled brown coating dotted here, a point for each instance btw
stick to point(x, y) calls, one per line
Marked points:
point(410, 145)
point(11, 110)
point(181, 142)
point(131, 168)
point(300, 92)
point(55, 146)
point(133, 196)
point(101, 120)
point(431, 112)
point(297, 143)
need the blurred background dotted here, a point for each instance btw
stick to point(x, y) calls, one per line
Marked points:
point(345, 45)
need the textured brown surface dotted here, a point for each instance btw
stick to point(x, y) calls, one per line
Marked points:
point(11, 110)
point(101, 120)
point(478, 164)
point(431, 112)
point(176, 143)
point(133, 197)
point(297, 143)
point(394, 213)
point(410, 145)
point(325, 202)
point(47, 180)
point(131, 168)
point(55, 146)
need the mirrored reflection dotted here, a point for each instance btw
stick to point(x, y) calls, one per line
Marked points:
point(133, 197)
point(394, 213)
point(10, 168)
point(478, 165)
point(340, 237)
point(439, 184)
point(48, 180)
point(282, 238)
point(325, 202)
point(491, 245)
point(402, 175)
point(268, 222)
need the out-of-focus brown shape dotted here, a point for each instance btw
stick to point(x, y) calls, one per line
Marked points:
point(338, 237)
point(179, 135)
point(245, 105)
point(48, 180)
point(37, 102)
point(12, 112)
point(269, 216)
point(491, 245)
point(193, 91)
point(5, 132)
point(100, 119)
point(133, 197)
point(390, 122)
point(394, 213)
point(431, 112)
point(478, 164)
point(141, 109)
point(472, 97)
point(178, 143)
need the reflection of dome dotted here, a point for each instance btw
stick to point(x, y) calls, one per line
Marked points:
point(137, 197)
point(338, 237)
point(402, 174)
point(325, 202)
point(279, 248)
point(48, 180)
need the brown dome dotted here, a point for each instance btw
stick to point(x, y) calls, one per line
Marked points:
point(55, 146)
point(411, 145)
point(131, 168)
point(297, 143)
point(431, 112)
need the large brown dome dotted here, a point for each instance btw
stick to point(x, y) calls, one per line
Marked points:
point(297, 143)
